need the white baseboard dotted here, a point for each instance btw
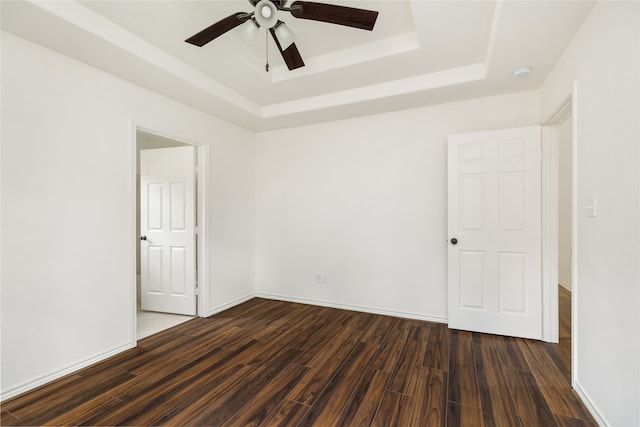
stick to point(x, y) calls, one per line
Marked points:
point(37, 382)
point(564, 285)
point(228, 305)
point(14, 391)
point(591, 407)
point(437, 319)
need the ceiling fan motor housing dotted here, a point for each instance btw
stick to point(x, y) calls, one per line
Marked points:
point(266, 13)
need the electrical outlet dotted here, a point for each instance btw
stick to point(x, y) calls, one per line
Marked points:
point(321, 279)
point(591, 208)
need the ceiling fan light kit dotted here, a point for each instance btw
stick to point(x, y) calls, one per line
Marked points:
point(284, 34)
point(249, 30)
point(265, 15)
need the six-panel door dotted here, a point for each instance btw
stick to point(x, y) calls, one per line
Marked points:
point(494, 213)
point(167, 224)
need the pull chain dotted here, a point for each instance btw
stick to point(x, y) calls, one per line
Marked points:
point(267, 49)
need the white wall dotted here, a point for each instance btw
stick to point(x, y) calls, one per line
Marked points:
point(364, 202)
point(604, 60)
point(68, 229)
point(564, 203)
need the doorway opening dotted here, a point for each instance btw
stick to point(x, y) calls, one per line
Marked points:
point(152, 315)
point(564, 129)
point(560, 281)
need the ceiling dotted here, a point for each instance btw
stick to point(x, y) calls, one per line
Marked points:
point(419, 53)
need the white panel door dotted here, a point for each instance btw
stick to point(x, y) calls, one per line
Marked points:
point(494, 229)
point(167, 226)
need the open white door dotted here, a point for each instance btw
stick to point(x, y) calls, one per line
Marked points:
point(167, 225)
point(494, 228)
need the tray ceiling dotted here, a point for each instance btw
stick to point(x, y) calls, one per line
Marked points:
point(420, 53)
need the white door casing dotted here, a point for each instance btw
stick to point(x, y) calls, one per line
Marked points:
point(167, 226)
point(494, 212)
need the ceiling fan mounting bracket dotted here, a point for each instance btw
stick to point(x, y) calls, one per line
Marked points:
point(278, 3)
point(294, 8)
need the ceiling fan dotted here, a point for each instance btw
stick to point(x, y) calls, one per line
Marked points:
point(265, 15)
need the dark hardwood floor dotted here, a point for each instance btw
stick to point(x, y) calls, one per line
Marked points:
point(564, 307)
point(273, 363)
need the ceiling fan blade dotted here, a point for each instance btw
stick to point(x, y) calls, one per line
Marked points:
point(218, 29)
point(291, 55)
point(334, 14)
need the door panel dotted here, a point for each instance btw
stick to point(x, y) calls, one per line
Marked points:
point(167, 220)
point(511, 188)
point(511, 282)
point(494, 210)
point(178, 207)
point(154, 270)
point(178, 271)
point(471, 187)
point(154, 206)
point(471, 283)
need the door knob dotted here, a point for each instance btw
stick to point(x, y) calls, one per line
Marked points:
point(454, 241)
point(143, 237)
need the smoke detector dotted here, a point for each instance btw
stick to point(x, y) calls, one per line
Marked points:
point(521, 72)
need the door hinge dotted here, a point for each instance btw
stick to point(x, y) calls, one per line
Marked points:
point(197, 289)
point(196, 230)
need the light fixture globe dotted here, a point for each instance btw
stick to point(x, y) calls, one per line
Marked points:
point(249, 30)
point(266, 13)
point(285, 36)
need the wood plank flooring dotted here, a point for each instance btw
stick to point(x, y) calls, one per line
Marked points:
point(564, 307)
point(273, 363)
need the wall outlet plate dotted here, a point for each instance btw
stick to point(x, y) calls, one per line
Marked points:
point(321, 279)
point(591, 208)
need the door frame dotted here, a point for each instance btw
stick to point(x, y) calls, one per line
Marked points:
point(202, 201)
point(550, 237)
